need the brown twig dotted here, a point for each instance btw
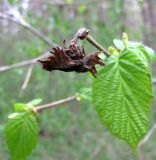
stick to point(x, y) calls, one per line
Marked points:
point(97, 45)
point(17, 65)
point(83, 34)
point(26, 25)
point(23, 63)
point(27, 79)
point(154, 81)
point(53, 104)
point(148, 135)
point(35, 32)
point(145, 140)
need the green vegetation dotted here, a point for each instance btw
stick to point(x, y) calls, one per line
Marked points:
point(74, 131)
point(123, 94)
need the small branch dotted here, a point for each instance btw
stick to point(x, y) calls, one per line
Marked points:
point(26, 25)
point(145, 140)
point(148, 135)
point(27, 79)
point(16, 65)
point(22, 64)
point(40, 35)
point(154, 81)
point(83, 34)
point(97, 45)
point(56, 103)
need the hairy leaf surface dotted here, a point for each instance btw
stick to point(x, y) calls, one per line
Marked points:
point(122, 95)
point(21, 134)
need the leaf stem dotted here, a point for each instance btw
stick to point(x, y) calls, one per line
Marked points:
point(82, 34)
point(56, 103)
point(27, 26)
point(97, 45)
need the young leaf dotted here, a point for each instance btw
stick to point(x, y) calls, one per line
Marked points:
point(147, 52)
point(13, 115)
point(20, 106)
point(119, 44)
point(35, 102)
point(21, 134)
point(85, 94)
point(122, 95)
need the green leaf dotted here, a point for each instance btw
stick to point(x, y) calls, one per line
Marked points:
point(20, 106)
point(85, 94)
point(122, 95)
point(119, 44)
point(35, 102)
point(21, 134)
point(13, 115)
point(146, 52)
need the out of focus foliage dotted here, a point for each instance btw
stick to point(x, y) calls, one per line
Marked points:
point(70, 132)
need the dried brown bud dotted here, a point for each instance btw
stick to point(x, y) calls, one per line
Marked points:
point(71, 58)
point(83, 33)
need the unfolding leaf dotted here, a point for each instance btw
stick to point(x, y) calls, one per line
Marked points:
point(20, 106)
point(85, 94)
point(146, 52)
point(35, 102)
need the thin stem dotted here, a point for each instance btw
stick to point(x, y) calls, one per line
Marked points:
point(56, 103)
point(26, 25)
point(97, 45)
point(40, 35)
point(148, 136)
point(144, 141)
point(23, 63)
point(82, 34)
point(26, 80)
point(35, 32)
point(17, 65)
point(154, 81)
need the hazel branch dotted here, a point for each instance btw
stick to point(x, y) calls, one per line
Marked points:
point(97, 45)
point(56, 103)
point(23, 63)
point(26, 80)
point(148, 136)
point(82, 34)
point(144, 141)
point(154, 81)
point(26, 25)
point(17, 65)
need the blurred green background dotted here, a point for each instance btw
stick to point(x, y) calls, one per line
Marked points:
point(73, 131)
